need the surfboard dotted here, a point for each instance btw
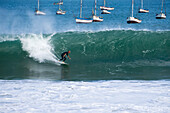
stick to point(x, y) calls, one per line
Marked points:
point(62, 63)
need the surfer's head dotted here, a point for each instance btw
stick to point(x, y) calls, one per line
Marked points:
point(69, 51)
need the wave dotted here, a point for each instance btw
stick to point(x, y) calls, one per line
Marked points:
point(104, 55)
point(104, 46)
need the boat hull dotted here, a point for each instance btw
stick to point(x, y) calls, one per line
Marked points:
point(131, 20)
point(106, 8)
point(143, 11)
point(39, 13)
point(105, 12)
point(161, 16)
point(84, 20)
point(97, 19)
point(61, 12)
point(59, 3)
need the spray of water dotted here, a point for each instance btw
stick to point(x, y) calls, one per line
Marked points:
point(39, 48)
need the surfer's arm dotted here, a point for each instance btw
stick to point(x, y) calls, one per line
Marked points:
point(69, 57)
point(64, 55)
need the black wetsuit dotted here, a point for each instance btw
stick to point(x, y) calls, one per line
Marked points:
point(63, 57)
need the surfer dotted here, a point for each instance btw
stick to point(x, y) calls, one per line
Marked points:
point(63, 56)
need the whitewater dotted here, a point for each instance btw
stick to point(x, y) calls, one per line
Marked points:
point(86, 97)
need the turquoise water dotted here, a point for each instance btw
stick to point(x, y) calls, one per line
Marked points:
point(105, 55)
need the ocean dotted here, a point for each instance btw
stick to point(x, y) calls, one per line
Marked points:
point(114, 66)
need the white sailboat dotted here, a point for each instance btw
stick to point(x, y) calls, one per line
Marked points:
point(97, 18)
point(38, 12)
point(141, 10)
point(133, 19)
point(161, 15)
point(105, 12)
point(83, 20)
point(60, 12)
point(106, 8)
point(58, 3)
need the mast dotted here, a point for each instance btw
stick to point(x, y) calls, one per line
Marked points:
point(132, 8)
point(104, 2)
point(165, 7)
point(141, 4)
point(38, 5)
point(95, 7)
point(59, 5)
point(80, 8)
point(162, 7)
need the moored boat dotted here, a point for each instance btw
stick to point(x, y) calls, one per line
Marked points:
point(133, 19)
point(38, 12)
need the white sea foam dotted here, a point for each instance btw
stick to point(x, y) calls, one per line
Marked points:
point(109, 29)
point(38, 47)
point(86, 97)
point(8, 38)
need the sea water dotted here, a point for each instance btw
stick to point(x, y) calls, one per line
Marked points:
point(114, 66)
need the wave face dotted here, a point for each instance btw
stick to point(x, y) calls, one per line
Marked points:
point(115, 46)
point(118, 54)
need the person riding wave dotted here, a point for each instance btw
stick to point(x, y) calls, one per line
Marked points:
point(63, 56)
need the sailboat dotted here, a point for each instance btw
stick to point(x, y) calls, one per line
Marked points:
point(105, 12)
point(37, 12)
point(161, 15)
point(83, 20)
point(58, 3)
point(60, 12)
point(141, 10)
point(106, 8)
point(133, 19)
point(96, 18)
